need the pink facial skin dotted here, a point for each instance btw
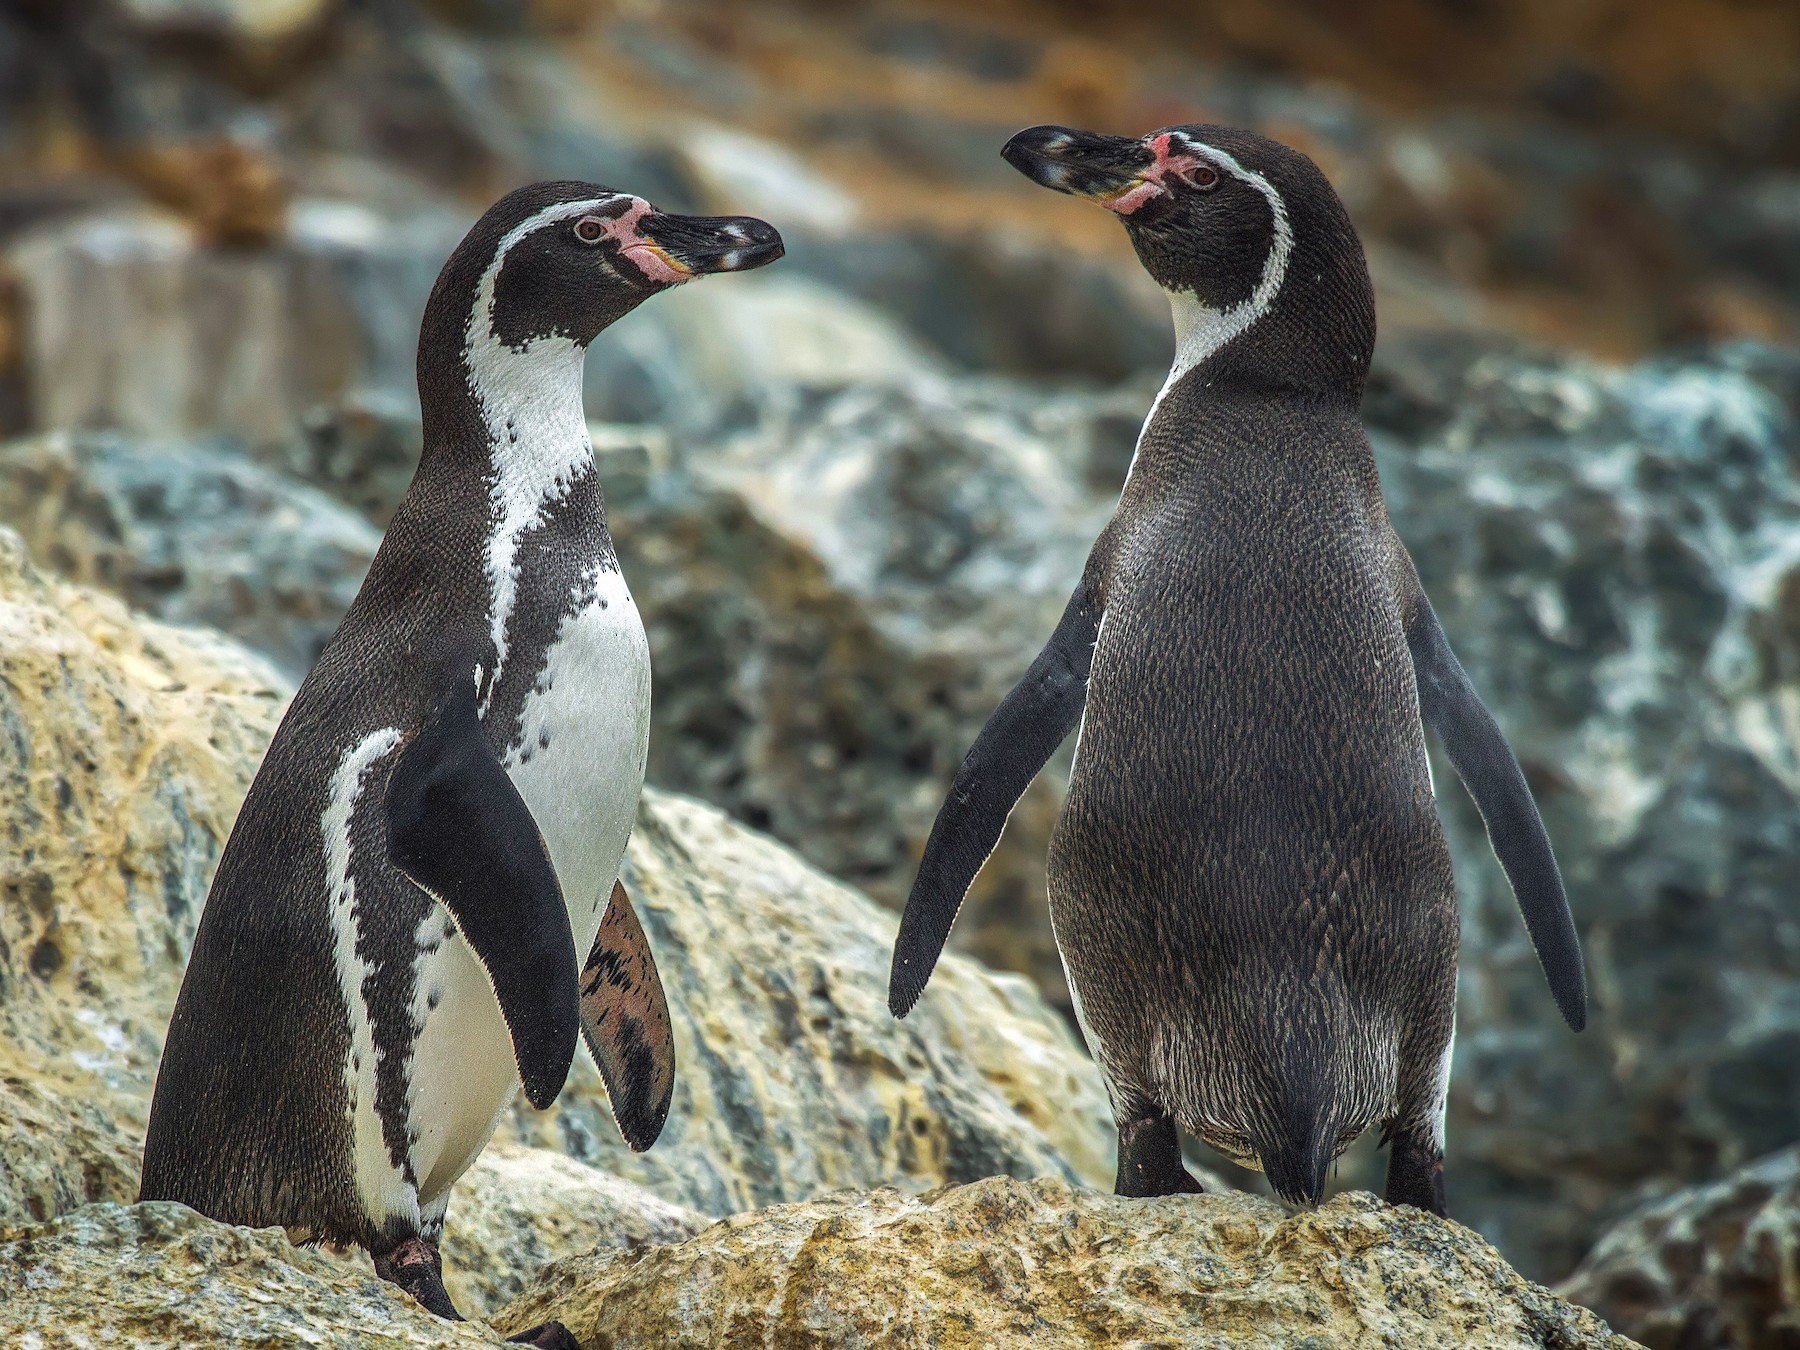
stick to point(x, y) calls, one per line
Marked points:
point(645, 256)
point(1148, 185)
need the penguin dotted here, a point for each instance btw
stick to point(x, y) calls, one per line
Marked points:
point(1248, 883)
point(389, 950)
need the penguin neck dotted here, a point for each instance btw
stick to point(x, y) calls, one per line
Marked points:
point(528, 402)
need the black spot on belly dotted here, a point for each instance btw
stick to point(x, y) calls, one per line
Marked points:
point(543, 740)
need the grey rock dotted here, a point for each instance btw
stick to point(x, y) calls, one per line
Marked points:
point(984, 299)
point(1616, 557)
point(191, 535)
point(133, 325)
point(362, 449)
point(838, 587)
point(1708, 1268)
point(687, 358)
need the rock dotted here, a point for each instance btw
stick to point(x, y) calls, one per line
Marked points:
point(125, 748)
point(1709, 1268)
point(685, 359)
point(518, 1209)
point(253, 22)
point(740, 174)
point(979, 296)
point(791, 1076)
point(1004, 1263)
point(839, 588)
point(191, 535)
point(362, 449)
point(160, 1277)
point(230, 191)
point(1613, 554)
point(133, 325)
point(59, 1152)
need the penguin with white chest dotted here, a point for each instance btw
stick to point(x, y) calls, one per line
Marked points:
point(1249, 883)
point(390, 947)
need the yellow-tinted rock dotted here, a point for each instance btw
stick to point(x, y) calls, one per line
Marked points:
point(161, 1277)
point(518, 1209)
point(125, 748)
point(1005, 1263)
point(792, 1078)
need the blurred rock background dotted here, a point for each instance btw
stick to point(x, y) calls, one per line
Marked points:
point(851, 492)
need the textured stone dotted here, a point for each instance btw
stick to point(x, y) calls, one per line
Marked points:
point(1613, 553)
point(125, 748)
point(1004, 1263)
point(1714, 1267)
point(517, 1209)
point(698, 350)
point(191, 535)
point(160, 1277)
point(133, 324)
point(791, 1076)
point(839, 586)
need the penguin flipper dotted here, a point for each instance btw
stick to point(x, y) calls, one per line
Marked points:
point(458, 828)
point(1019, 738)
point(1450, 706)
point(625, 1021)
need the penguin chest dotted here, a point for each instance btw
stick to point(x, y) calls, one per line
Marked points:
point(577, 760)
point(583, 738)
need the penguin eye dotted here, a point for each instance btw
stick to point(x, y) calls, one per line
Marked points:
point(590, 229)
point(1204, 177)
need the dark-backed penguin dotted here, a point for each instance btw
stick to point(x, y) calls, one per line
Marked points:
point(1249, 883)
point(390, 946)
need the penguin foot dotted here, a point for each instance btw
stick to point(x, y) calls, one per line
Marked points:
point(546, 1336)
point(417, 1268)
point(1416, 1173)
point(1150, 1160)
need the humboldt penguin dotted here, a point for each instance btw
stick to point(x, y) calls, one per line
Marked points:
point(390, 947)
point(1249, 883)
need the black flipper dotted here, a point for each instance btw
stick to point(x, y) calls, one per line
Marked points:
point(625, 1020)
point(458, 828)
point(1451, 708)
point(1024, 731)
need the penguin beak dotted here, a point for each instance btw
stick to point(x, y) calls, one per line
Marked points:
point(1115, 171)
point(693, 245)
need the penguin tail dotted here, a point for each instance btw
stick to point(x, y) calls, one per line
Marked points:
point(1298, 1146)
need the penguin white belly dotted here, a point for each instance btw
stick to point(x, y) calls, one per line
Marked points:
point(579, 765)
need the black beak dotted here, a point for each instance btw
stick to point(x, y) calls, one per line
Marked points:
point(1081, 163)
point(699, 244)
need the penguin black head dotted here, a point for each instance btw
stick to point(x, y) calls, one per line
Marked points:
point(567, 259)
point(534, 281)
point(1244, 234)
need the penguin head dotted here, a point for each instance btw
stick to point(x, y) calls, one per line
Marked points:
point(567, 259)
point(1245, 235)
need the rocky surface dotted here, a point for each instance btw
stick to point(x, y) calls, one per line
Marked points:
point(191, 535)
point(125, 748)
point(792, 1078)
point(1715, 1267)
point(518, 1209)
point(1006, 1263)
point(159, 1276)
point(1615, 555)
point(132, 322)
point(839, 585)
